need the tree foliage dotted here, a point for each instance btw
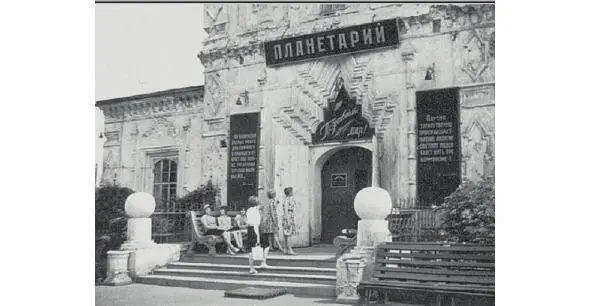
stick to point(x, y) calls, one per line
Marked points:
point(468, 214)
point(109, 204)
point(196, 199)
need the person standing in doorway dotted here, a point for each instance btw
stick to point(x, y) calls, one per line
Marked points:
point(253, 235)
point(289, 226)
point(269, 221)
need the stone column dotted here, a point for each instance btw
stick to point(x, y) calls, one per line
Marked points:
point(375, 175)
point(117, 272)
point(139, 207)
point(372, 205)
point(408, 55)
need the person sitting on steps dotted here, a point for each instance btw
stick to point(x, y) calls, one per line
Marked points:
point(211, 228)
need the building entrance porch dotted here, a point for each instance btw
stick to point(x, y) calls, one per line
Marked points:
point(344, 174)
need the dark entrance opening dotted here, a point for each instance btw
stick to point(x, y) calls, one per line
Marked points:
point(343, 175)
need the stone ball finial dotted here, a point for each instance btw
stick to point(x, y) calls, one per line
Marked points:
point(140, 205)
point(373, 203)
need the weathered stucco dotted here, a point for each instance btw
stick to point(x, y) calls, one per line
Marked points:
point(456, 42)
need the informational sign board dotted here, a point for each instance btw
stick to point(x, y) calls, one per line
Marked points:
point(357, 38)
point(243, 155)
point(338, 180)
point(438, 145)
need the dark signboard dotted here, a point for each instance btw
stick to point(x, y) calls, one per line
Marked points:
point(340, 41)
point(438, 145)
point(338, 180)
point(343, 121)
point(243, 156)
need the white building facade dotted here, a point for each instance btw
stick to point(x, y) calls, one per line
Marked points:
point(332, 112)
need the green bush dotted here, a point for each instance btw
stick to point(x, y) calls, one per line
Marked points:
point(109, 204)
point(468, 214)
point(110, 225)
point(196, 199)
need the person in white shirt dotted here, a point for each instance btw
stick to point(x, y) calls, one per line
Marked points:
point(253, 236)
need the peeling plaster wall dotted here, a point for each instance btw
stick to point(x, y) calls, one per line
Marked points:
point(461, 52)
point(138, 129)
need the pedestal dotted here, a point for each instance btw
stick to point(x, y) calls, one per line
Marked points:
point(139, 234)
point(142, 260)
point(350, 266)
point(372, 232)
point(117, 273)
point(372, 205)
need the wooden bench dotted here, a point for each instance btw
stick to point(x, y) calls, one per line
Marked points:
point(198, 236)
point(430, 274)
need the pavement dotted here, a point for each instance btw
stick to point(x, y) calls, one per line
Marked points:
point(148, 295)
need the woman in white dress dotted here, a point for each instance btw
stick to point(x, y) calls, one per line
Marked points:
point(253, 235)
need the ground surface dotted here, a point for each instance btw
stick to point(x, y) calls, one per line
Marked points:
point(148, 295)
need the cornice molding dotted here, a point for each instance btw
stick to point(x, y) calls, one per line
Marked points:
point(191, 102)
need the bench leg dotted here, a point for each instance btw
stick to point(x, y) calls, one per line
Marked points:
point(191, 249)
point(211, 248)
point(439, 300)
point(381, 297)
point(363, 297)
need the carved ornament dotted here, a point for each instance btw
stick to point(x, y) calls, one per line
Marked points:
point(215, 89)
point(113, 138)
point(477, 96)
point(215, 22)
point(476, 55)
point(161, 127)
point(152, 107)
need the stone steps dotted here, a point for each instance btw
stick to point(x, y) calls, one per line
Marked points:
point(316, 261)
point(311, 275)
point(263, 274)
point(245, 268)
point(208, 283)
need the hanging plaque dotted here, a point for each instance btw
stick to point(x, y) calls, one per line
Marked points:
point(243, 159)
point(438, 145)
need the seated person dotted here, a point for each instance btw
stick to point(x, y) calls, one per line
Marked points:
point(225, 223)
point(240, 221)
point(211, 227)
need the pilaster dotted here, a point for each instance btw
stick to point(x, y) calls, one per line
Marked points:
point(408, 55)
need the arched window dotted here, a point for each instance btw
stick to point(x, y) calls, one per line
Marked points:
point(165, 184)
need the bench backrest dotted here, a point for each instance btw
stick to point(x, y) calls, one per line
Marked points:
point(196, 226)
point(461, 264)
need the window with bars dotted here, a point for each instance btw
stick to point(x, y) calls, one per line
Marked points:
point(329, 9)
point(165, 184)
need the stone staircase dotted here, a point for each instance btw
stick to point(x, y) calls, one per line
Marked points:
point(308, 274)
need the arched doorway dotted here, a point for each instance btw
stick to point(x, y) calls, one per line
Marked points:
point(345, 173)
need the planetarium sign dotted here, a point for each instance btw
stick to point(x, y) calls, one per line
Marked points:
point(340, 41)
